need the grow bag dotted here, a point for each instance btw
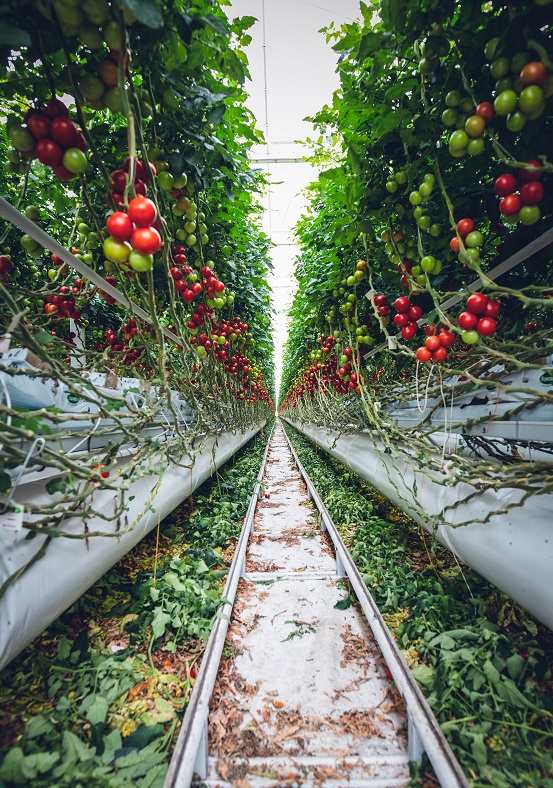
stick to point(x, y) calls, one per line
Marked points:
point(69, 566)
point(514, 550)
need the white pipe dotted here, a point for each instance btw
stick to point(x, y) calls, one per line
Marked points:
point(514, 550)
point(70, 566)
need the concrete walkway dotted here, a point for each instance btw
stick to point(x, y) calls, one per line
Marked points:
point(302, 696)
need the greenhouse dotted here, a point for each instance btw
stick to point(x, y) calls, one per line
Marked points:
point(276, 393)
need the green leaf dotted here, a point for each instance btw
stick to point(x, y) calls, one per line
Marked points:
point(491, 672)
point(95, 709)
point(217, 25)
point(343, 604)
point(38, 726)
point(143, 735)
point(43, 337)
point(370, 43)
point(147, 12)
point(11, 769)
point(516, 665)
point(159, 622)
point(423, 674)
point(13, 37)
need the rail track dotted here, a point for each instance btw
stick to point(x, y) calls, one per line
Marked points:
point(292, 689)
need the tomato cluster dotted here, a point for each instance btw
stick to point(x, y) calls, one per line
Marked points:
point(406, 317)
point(133, 240)
point(50, 135)
point(479, 318)
point(467, 243)
point(435, 346)
point(519, 203)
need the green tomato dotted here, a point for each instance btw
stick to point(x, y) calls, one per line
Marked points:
point(435, 230)
point(507, 83)
point(418, 211)
point(500, 67)
point(415, 198)
point(458, 141)
point(453, 98)
point(91, 37)
point(424, 222)
point(425, 189)
point(350, 281)
point(28, 243)
point(416, 270)
point(427, 264)
point(191, 240)
point(467, 106)
point(21, 139)
point(519, 60)
point(220, 302)
point(141, 262)
point(474, 239)
point(506, 102)
point(470, 337)
point(32, 213)
point(91, 87)
point(475, 146)
point(190, 227)
point(75, 160)
point(116, 251)
point(112, 34)
point(516, 121)
point(531, 99)
point(201, 351)
point(401, 177)
point(421, 280)
point(391, 186)
point(449, 117)
point(165, 180)
point(437, 267)
point(113, 99)
point(180, 181)
point(529, 214)
point(492, 48)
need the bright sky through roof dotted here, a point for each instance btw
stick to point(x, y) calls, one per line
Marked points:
point(293, 73)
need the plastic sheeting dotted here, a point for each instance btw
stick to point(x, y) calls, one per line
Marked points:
point(70, 566)
point(514, 550)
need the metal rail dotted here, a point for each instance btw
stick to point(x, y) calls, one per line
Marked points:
point(191, 750)
point(424, 732)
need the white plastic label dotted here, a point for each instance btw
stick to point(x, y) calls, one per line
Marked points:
point(12, 521)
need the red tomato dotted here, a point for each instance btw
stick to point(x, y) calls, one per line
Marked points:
point(140, 189)
point(415, 313)
point(529, 175)
point(465, 226)
point(383, 310)
point(119, 181)
point(379, 300)
point(510, 205)
point(440, 354)
point(402, 304)
point(486, 111)
point(63, 173)
point(531, 193)
point(146, 240)
point(39, 125)
point(505, 184)
point(447, 338)
point(486, 326)
point(401, 319)
point(493, 308)
point(533, 73)
point(430, 329)
point(119, 226)
point(65, 132)
point(454, 244)
point(423, 354)
point(467, 321)
point(432, 343)
point(55, 108)
point(409, 331)
point(48, 152)
point(476, 303)
point(142, 211)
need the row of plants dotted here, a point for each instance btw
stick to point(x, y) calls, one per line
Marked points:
point(97, 699)
point(126, 139)
point(435, 162)
point(483, 663)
